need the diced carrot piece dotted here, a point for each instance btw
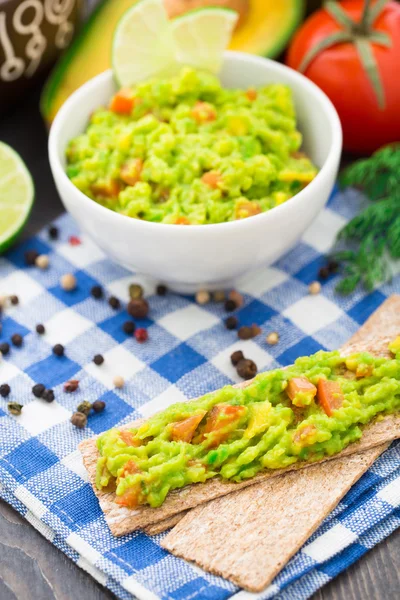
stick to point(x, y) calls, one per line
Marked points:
point(251, 94)
point(131, 171)
point(123, 102)
point(330, 396)
point(182, 221)
point(110, 189)
point(246, 208)
point(221, 421)
point(203, 112)
point(305, 435)
point(212, 179)
point(183, 431)
point(129, 438)
point(300, 385)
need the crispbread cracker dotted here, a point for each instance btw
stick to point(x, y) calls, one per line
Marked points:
point(250, 535)
point(122, 520)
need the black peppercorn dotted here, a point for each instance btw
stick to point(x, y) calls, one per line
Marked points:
point(246, 368)
point(38, 390)
point(323, 273)
point(98, 406)
point(30, 257)
point(53, 232)
point(4, 348)
point(14, 300)
point(138, 308)
point(129, 327)
point(114, 302)
point(48, 395)
point(40, 329)
point(231, 322)
point(97, 292)
point(333, 266)
point(161, 290)
point(5, 390)
point(230, 305)
point(236, 357)
point(84, 407)
point(98, 359)
point(14, 408)
point(58, 350)
point(17, 340)
point(79, 420)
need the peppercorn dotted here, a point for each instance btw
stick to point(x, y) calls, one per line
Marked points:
point(98, 359)
point(58, 350)
point(97, 292)
point(14, 300)
point(42, 261)
point(79, 420)
point(14, 408)
point(314, 288)
point(141, 335)
point(231, 322)
point(161, 290)
point(71, 386)
point(236, 357)
point(230, 305)
point(48, 395)
point(333, 266)
point(30, 257)
point(138, 308)
point(38, 390)
point(202, 297)
point(129, 327)
point(135, 291)
point(53, 232)
point(4, 348)
point(323, 273)
point(17, 340)
point(272, 338)
point(245, 333)
point(114, 303)
point(40, 329)
point(218, 296)
point(237, 298)
point(68, 282)
point(118, 381)
point(255, 329)
point(98, 406)
point(246, 368)
point(5, 390)
point(84, 407)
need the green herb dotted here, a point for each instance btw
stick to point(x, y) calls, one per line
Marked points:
point(372, 238)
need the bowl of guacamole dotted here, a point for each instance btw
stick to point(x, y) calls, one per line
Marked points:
point(244, 162)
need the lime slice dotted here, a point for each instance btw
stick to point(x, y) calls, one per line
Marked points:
point(143, 44)
point(202, 35)
point(16, 195)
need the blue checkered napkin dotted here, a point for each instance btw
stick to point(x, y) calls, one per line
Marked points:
point(41, 472)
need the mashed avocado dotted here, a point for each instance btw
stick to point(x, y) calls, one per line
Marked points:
point(313, 409)
point(187, 151)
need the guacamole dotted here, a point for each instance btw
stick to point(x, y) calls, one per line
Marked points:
point(306, 412)
point(186, 151)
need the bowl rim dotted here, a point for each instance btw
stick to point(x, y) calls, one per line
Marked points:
point(297, 200)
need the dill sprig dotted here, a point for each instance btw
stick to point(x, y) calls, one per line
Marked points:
point(372, 238)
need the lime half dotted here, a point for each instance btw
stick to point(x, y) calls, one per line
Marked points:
point(143, 44)
point(16, 195)
point(202, 35)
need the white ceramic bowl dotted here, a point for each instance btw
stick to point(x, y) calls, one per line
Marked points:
point(205, 256)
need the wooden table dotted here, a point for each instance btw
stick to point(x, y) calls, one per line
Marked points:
point(30, 567)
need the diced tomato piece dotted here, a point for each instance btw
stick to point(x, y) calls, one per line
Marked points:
point(251, 94)
point(129, 468)
point(330, 396)
point(123, 102)
point(182, 221)
point(221, 421)
point(364, 370)
point(110, 189)
point(246, 208)
point(203, 112)
point(298, 154)
point(130, 498)
point(212, 179)
point(131, 171)
point(305, 435)
point(183, 431)
point(129, 438)
point(300, 385)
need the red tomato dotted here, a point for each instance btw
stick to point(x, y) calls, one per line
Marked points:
point(221, 421)
point(183, 431)
point(329, 395)
point(339, 72)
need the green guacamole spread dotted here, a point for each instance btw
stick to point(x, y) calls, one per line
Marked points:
point(185, 150)
point(310, 410)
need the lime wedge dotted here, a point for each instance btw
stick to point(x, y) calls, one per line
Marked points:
point(202, 35)
point(16, 195)
point(143, 44)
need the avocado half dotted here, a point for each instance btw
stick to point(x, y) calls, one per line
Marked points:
point(265, 31)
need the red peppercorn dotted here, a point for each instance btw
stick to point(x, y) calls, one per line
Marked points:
point(141, 335)
point(74, 240)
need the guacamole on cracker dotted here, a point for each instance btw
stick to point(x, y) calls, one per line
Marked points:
point(187, 151)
